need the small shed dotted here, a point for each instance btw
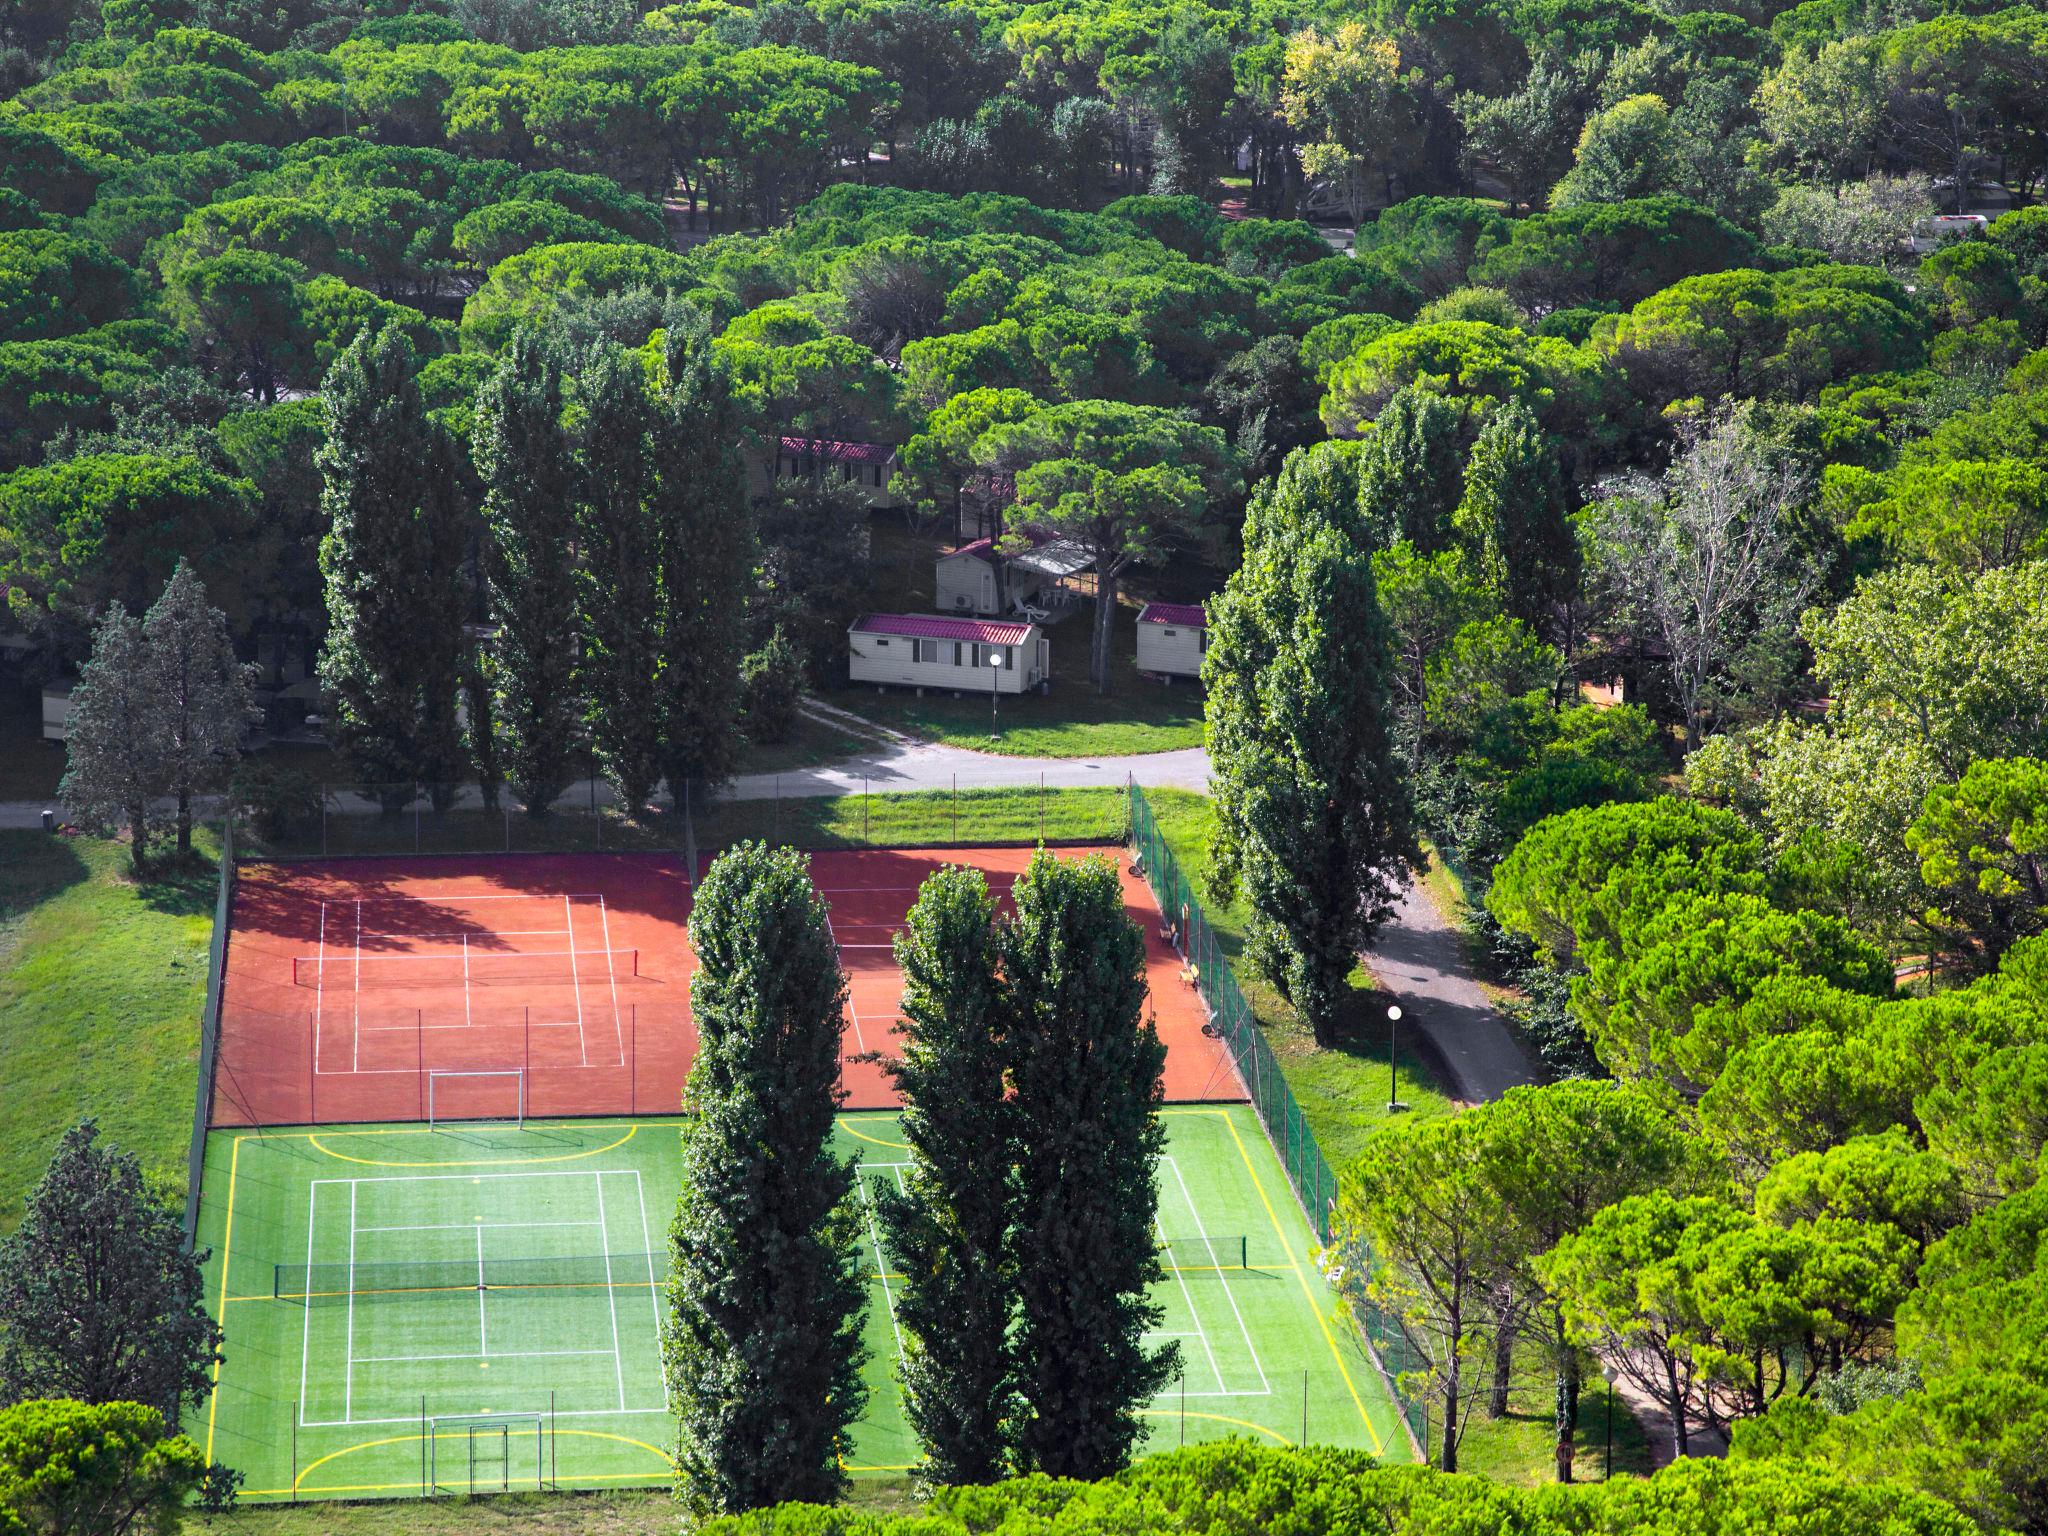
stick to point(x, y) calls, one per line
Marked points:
point(1172, 638)
point(867, 467)
point(914, 650)
point(977, 578)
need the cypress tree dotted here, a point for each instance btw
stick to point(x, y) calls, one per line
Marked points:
point(706, 556)
point(396, 576)
point(1085, 1067)
point(948, 1227)
point(1314, 816)
point(114, 754)
point(525, 458)
point(200, 692)
point(619, 579)
point(762, 1344)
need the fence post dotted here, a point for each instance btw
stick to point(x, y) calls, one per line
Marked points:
point(956, 810)
point(323, 818)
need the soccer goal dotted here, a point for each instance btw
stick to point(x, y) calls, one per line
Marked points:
point(486, 1453)
point(455, 1096)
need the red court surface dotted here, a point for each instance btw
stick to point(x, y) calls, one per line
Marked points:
point(384, 989)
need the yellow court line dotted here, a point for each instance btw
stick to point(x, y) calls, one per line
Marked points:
point(299, 1483)
point(1171, 1413)
point(474, 1162)
point(901, 1146)
point(1378, 1445)
point(227, 1250)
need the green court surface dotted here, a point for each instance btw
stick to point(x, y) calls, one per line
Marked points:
point(473, 1308)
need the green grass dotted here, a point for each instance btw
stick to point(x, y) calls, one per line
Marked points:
point(29, 766)
point(1518, 1448)
point(101, 982)
point(1342, 1091)
point(1264, 1346)
point(926, 819)
point(1072, 720)
point(812, 743)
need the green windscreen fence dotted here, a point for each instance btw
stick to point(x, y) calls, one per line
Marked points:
point(1315, 1182)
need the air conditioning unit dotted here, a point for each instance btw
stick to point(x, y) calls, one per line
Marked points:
point(962, 600)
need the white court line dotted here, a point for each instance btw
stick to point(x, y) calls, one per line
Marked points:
point(569, 916)
point(611, 1296)
point(467, 1016)
point(306, 1331)
point(437, 900)
point(319, 991)
point(459, 1178)
point(566, 1413)
point(1217, 1269)
point(653, 1286)
point(881, 1266)
point(481, 1226)
point(463, 933)
point(348, 1374)
point(483, 1327)
point(862, 1041)
point(503, 1354)
point(1207, 1348)
point(355, 1022)
point(611, 971)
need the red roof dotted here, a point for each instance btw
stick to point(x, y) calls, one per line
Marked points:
point(978, 547)
point(838, 452)
point(1188, 614)
point(931, 627)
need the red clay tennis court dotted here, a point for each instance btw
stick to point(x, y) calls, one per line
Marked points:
point(451, 988)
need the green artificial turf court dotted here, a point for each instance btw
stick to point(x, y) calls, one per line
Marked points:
point(364, 1357)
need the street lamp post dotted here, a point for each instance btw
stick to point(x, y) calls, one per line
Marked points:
point(1394, 1104)
point(1607, 1468)
point(995, 673)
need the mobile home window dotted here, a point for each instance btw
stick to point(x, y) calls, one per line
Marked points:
point(926, 650)
point(956, 653)
point(1009, 657)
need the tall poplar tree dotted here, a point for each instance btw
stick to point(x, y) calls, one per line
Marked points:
point(619, 579)
point(948, 1226)
point(1085, 1068)
point(1512, 520)
point(1411, 470)
point(762, 1343)
point(199, 691)
point(524, 456)
point(1315, 821)
point(396, 574)
point(706, 556)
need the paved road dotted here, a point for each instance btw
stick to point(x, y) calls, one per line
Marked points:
point(1422, 960)
point(909, 766)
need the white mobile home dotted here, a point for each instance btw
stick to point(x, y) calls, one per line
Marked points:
point(1172, 638)
point(828, 462)
point(914, 650)
point(973, 578)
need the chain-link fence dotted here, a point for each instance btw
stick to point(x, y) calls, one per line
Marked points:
point(965, 813)
point(209, 1031)
point(1314, 1181)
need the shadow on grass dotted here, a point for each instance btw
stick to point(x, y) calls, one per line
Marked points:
point(178, 884)
point(34, 866)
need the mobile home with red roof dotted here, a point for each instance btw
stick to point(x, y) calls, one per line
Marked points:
point(1172, 638)
point(914, 650)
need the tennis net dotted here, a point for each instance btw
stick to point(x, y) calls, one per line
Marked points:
point(465, 968)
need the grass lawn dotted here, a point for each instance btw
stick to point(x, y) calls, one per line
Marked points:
point(811, 744)
point(101, 983)
point(1518, 1448)
point(927, 819)
point(1070, 721)
point(29, 766)
point(1342, 1091)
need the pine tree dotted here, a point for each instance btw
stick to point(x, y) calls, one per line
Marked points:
point(762, 1345)
point(114, 745)
point(524, 456)
point(1411, 470)
point(947, 1227)
point(1315, 822)
point(99, 1298)
point(619, 580)
point(1085, 1067)
point(706, 557)
point(396, 580)
point(200, 692)
point(1512, 520)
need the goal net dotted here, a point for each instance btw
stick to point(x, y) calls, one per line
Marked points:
point(473, 1096)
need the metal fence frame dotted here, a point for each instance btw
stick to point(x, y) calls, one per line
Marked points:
point(1308, 1170)
point(209, 1030)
